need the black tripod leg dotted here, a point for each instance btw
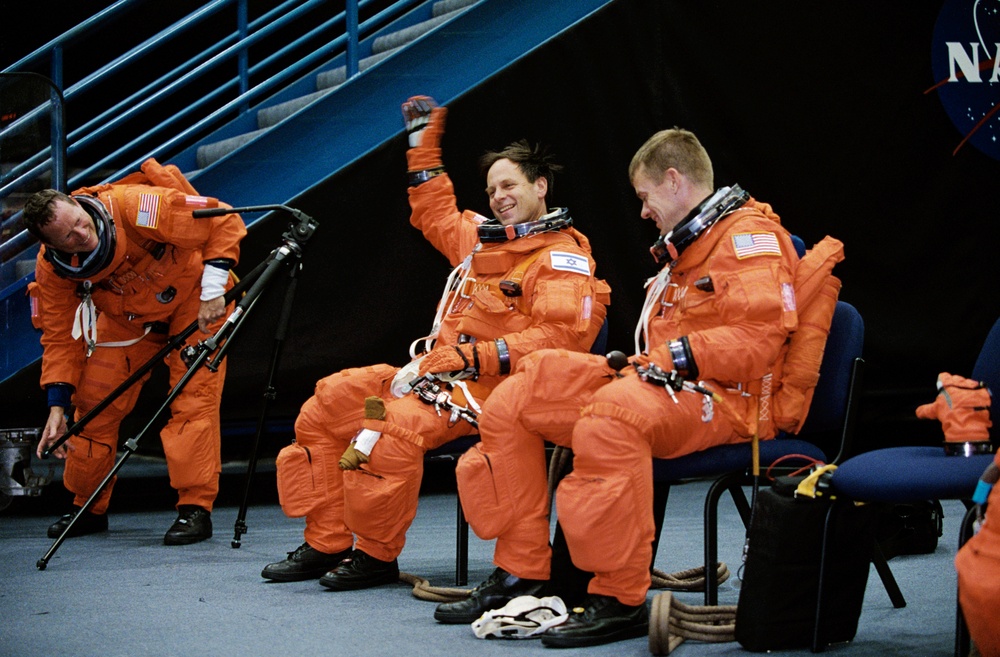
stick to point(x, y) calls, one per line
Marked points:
point(130, 446)
point(281, 332)
point(44, 561)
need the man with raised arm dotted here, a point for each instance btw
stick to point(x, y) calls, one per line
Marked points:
point(522, 281)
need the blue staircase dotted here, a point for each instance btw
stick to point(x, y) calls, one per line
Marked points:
point(332, 116)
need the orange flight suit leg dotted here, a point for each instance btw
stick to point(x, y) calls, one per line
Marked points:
point(326, 423)
point(503, 481)
point(381, 498)
point(192, 438)
point(606, 504)
point(92, 453)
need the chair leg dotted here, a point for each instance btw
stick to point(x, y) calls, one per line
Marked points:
point(661, 492)
point(819, 642)
point(888, 579)
point(963, 643)
point(462, 549)
point(711, 520)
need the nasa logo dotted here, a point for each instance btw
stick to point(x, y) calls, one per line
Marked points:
point(967, 71)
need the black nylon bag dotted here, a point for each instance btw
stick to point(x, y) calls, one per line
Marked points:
point(778, 604)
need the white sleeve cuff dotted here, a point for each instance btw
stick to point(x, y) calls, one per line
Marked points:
point(213, 282)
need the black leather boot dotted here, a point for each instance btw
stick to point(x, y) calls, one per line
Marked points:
point(305, 562)
point(88, 523)
point(604, 620)
point(193, 524)
point(361, 571)
point(499, 588)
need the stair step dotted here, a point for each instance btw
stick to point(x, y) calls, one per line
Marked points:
point(213, 152)
point(382, 47)
point(338, 76)
point(399, 38)
point(445, 6)
point(270, 116)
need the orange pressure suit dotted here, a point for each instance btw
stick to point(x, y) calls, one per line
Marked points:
point(978, 566)
point(561, 306)
point(730, 293)
point(150, 289)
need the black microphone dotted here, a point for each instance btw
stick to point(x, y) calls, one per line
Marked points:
point(617, 360)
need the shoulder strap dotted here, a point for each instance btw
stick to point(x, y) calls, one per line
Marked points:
point(517, 274)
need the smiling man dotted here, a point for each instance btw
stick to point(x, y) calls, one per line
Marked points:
point(522, 280)
point(719, 315)
point(122, 266)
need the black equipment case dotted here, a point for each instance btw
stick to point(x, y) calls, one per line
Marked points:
point(806, 571)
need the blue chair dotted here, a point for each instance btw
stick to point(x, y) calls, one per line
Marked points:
point(826, 436)
point(909, 474)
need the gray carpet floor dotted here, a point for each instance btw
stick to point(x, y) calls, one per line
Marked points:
point(125, 594)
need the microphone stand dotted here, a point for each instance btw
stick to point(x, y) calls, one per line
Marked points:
point(240, 526)
point(289, 251)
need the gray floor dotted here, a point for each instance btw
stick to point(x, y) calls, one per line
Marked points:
point(125, 594)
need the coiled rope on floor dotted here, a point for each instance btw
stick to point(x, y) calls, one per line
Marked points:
point(423, 590)
point(671, 622)
point(692, 579)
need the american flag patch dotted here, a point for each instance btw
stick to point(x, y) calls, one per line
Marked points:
point(748, 245)
point(149, 210)
point(570, 262)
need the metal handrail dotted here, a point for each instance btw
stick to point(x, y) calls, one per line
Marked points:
point(57, 149)
point(232, 51)
point(234, 46)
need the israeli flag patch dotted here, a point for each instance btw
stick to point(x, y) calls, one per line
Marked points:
point(573, 262)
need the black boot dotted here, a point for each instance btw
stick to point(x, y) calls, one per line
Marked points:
point(604, 620)
point(305, 562)
point(88, 523)
point(361, 571)
point(193, 524)
point(499, 588)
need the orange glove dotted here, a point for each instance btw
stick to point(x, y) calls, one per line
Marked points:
point(424, 127)
point(478, 358)
point(963, 408)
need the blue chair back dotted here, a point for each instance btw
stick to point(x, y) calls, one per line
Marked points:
point(800, 245)
point(987, 370)
point(600, 346)
point(829, 415)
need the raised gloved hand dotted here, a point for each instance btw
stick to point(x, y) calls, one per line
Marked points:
point(476, 359)
point(963, 408)
point(417, 113)
point(424, 127)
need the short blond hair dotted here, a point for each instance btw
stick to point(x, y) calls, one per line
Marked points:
point(673, 148)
